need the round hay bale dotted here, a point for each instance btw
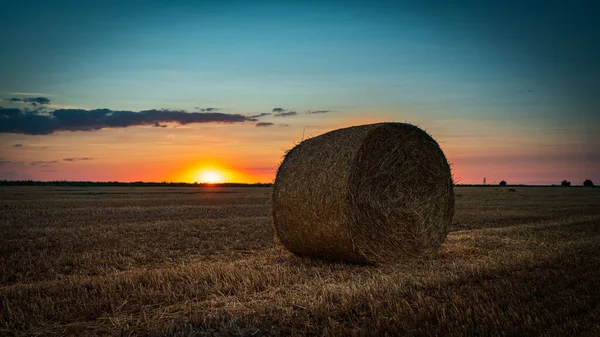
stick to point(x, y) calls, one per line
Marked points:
point(365, 194)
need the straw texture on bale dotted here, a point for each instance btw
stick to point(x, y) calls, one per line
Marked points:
point(365, 194)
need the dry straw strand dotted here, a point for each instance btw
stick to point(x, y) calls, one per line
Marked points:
point(364, 194)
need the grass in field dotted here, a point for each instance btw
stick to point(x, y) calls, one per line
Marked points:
point(194, 261)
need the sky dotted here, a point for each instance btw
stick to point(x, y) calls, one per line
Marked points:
point(220, 90)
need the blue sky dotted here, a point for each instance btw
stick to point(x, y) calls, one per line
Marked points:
point(515, 69)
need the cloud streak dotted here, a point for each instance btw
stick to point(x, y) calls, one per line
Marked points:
point(41, 122)
point(77, 159)
point(286, 114)
point(8, 162)
point(27, 93)
point(28, 100)
point(260, 115)
point(280, 112)
point(42, 162)
point(208, 109)
point(263, 124)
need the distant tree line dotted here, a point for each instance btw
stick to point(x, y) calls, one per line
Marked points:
point(503, 183)
point(586, 183)
point(118, 183)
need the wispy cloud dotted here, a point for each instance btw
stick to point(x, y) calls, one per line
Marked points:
point(43, 122)
point(27, 93)
point(286, 114)
point(46, 163)
point(42, 162)
point(18, 145)
point(8, 162)
point(260, 115)
point(28, 100)
point(281, 112)
point(208, 109)
point(264, 124)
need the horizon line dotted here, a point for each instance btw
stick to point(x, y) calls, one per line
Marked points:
point(223, 184)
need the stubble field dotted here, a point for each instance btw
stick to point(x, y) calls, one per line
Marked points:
point(202, 261)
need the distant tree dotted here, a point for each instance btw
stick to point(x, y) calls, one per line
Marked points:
point(502, 183)
point(565, 183)
point(588, 183)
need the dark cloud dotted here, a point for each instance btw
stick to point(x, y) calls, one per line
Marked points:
point(9, 112)
point(278, 110)
point(264, 124)
point(260, 115)
point(286, 114)
point(40, 122)
point(77, 159)
point(38, 100)
point(32, 100)
point(311, 112)
point(18, 145)
point(158, 125)
point(41, 162)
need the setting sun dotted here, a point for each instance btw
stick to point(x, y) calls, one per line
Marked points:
point(209, 176)
point(212, 172)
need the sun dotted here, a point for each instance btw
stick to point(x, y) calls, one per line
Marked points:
point(209, 172)
point(209, 176)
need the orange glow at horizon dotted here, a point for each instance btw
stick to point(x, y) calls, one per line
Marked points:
point(209, 176)
point(212, 172)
